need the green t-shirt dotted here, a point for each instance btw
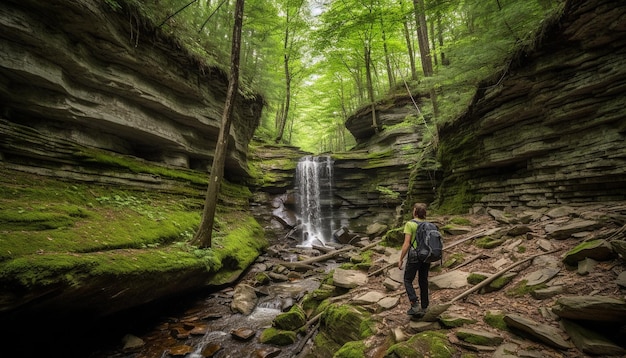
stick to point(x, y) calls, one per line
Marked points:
point(411, 227)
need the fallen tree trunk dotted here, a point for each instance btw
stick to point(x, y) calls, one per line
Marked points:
point(326, 256)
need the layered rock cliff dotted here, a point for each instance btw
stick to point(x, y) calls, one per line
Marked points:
point(82, 71)
point(551, 128)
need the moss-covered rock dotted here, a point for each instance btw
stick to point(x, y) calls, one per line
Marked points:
point(277, 336)
point(354, 349)
point(291, 320)
point(323, 346)
point(425, 344)
point(599, 250)
point(345, 323)
point(489, 242)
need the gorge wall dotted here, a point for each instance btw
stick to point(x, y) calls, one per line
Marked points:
point(551, 128)
point(83, 71)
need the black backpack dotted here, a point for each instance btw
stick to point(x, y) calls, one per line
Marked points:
point(427, 243)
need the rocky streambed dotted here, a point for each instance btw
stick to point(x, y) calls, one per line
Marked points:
point(540, 283)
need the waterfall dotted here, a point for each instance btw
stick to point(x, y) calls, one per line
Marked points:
point(314, 180)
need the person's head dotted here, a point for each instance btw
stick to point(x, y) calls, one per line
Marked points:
point(419, 210)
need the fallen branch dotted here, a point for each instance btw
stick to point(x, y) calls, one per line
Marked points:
point(477, 257)
point(298, 349)
point(327, 256)
point(490, 279)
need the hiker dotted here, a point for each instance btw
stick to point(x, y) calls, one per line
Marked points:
point(414, 266)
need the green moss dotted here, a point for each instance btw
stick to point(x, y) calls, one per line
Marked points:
point(455, 259)
point(278, 337)
point(134, 165)
point(112, 232)
point(488, 242)
point(354, 349)
point(457, 220)
point(475, 278)
point(425, 344)
point(495, 320)
point(291, 320)
point(347, 323)
point(461, 201)
point(522, 289)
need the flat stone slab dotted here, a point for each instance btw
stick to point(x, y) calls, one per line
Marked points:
point(593, 308)
point(368, 298)
point(452, 279)
point(541, 332)
point(349, 278)
point(541, 276)
point(388, 303)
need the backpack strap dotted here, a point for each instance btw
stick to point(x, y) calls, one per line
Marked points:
point(414, 243)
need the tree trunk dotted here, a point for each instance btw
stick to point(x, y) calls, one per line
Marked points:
point(422, 37)
point(285, 113)
point(205, 231)
point(386, 52)
point(409, 46)
point(370, 85)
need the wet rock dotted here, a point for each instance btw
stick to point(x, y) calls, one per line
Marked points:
point(244, 299)
point(179, 333)
point(210, 350)
point(539, 331)
point(343, 235)
point(131, 342)
point(591, 342)
point(267, 352)
point(242, 333)
point(198, 330)
point(277, 336)
point(292, 320)
point(180, 351)
point(599, 250)
point(592, 308)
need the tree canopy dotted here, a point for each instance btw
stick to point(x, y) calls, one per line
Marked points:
point(316, 62)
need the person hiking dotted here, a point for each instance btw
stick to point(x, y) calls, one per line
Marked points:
point(414, 266)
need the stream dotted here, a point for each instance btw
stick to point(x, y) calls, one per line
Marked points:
point(207, 327)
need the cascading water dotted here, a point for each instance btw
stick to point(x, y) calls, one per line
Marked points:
point(314, 188)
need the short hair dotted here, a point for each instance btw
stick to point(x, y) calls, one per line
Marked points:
point(419, 210)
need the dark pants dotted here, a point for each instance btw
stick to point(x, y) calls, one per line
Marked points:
point(421, 269)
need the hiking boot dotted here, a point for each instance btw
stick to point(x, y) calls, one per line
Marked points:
point(415, 311)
